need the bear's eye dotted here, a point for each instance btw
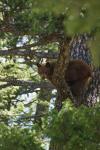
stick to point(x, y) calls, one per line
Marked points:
point(47, 64)
point(38, 65)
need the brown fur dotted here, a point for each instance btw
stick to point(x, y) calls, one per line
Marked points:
point(77, 74)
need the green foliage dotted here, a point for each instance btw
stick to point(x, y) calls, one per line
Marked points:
point(15, 138)
point(95, 48)
point(75, 128)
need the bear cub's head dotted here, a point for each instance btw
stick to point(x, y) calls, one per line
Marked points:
point(46, 70)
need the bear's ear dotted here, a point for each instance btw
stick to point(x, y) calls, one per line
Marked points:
point(38, 65)
point(47, 64)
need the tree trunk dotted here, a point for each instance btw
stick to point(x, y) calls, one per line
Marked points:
point(55, 146)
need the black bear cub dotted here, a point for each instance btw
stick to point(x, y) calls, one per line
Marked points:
point(77, 74)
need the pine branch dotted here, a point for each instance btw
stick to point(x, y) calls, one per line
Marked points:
point(31, 53)
point(16, 82)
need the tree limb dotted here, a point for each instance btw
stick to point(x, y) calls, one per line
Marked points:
point(16, 82)
point(58, 78)
point(30, 53)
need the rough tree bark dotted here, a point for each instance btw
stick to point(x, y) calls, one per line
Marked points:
point(58, 77)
